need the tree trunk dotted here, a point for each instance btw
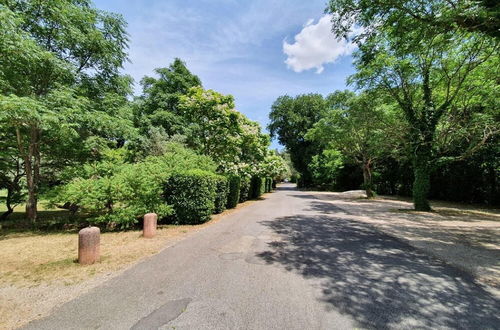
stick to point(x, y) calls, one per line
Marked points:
point(422, 178)
point(32, 170)
point(367, 179)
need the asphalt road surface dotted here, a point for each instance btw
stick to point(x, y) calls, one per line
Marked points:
point(290, 261)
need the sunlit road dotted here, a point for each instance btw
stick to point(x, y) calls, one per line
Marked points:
point(290, 261)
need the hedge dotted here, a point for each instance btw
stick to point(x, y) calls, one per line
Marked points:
point(244, 189)
point(192, 195)
point(269, 183)
point(257, 187)
point(234, 191)
point(221, 193)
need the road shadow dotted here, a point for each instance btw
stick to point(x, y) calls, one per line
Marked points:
point(379, 281)
point(286, 187)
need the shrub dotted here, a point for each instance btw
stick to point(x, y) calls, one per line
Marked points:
point(118, 199)
point(192, 195)
point(269, 183)
point(262, 186)
point(234, 191)
point(221, 193)
point(257, 187)
point(244, 189)
point(118, 194)
point(273, 184)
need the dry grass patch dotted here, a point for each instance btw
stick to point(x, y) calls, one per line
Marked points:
point(33, 258)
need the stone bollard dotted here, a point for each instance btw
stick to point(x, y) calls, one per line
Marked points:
point(89, 240)
point(149, 228)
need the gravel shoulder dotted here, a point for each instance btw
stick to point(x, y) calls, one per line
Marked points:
point(466, 237)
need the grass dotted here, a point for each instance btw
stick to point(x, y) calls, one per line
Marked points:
point(42, 258)
point(48, 254)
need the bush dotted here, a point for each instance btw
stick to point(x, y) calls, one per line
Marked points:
point(234, 191)
point(221, 193)
point(192, 195)
point(244, 189)
point(257, 187)
point(119, 199)
point(273, 184)
point(269, 184)
point(117, 193)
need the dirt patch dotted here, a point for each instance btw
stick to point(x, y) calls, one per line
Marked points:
point(39, 271)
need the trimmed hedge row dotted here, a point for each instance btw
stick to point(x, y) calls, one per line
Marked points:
point(196, 194)
point(269, 184)
point(244, 189)
point(256, 187)
point(192, 195)
point(234, 191)
point(221, 193)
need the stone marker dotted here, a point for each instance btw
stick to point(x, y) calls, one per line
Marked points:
point(149, 228)
point(89, 240)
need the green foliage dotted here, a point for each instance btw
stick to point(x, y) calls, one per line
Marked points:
point(245, 184)
point(69, 128)
point(112, 191)
point(221, 193)
point(192, 194)
point(412, 55)
point(56, 50)
point(291, 118)
point(361, 129)
point(158, 106)
point(437, 15)
point(325, 168)
point(269, 184)
point(257, 186)
point(234, 191)
point(274, 166)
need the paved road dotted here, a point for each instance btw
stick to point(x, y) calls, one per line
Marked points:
point(288, 262)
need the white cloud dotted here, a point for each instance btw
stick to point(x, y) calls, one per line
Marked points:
point(314, 46)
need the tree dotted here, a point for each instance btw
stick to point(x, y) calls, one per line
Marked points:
point(424, 73)
point(325, 168)
point(274, 166)
point(159, 102)
point(291, 118)
point(361, 127)
point(214, 123)
point(440, 15)
point(52, 47)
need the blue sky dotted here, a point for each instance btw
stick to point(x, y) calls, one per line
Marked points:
point(255, 50)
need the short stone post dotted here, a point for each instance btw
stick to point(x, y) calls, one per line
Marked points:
point(89, 240)
point(149, 227)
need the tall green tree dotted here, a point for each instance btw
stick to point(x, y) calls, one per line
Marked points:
point(361, 127)
point(51, 47)
point(213, 121)
point(424, 70)
point(291, 118)
point(159, 103)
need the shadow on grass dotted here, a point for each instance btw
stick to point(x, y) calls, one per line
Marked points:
point(48, 222)
point(379, 281)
